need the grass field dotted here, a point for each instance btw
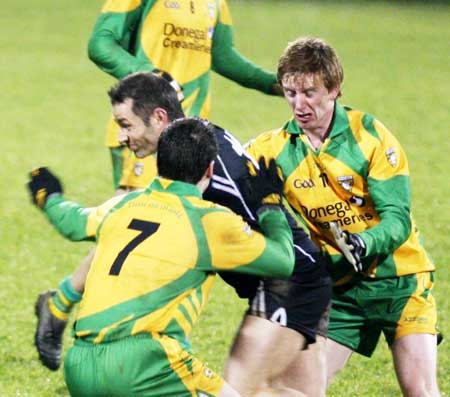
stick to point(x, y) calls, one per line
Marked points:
point(54, 111)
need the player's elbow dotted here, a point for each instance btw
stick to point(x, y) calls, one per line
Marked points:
point(285, 265)
point(95, 49)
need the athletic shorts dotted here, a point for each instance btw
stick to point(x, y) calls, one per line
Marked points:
point(288, 303)
point(395, 306)
point(130, 171)
point(140, 365)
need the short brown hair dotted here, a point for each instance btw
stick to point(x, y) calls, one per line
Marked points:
point(309, 55)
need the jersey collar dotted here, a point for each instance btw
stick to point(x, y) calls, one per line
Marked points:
point(338, 124)
point(175, 187)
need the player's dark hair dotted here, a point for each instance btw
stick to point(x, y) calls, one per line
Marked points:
point(148, 92)
point(309, 55)
point(185, 150)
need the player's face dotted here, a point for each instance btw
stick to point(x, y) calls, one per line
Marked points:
point(311, 102)
point(140, 138)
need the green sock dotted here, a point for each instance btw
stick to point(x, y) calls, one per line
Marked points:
point(63, 301)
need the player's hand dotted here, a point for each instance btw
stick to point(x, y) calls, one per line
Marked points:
point(351, 245)
point(42, 184)
point(175, 85)
point(263, 186)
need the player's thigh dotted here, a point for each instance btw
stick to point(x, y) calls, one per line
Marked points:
point(415, 361)
point(413, 307)
point(228, 391)
point(261, 351)
point(350, 326)
point(293, 305)
point(308, 371)
point(337, 356)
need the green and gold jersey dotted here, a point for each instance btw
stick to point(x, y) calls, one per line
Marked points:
point(359, 178)
point(182, 37)
point(157, 251)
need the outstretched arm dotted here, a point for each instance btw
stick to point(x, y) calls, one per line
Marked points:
point(227, 61)
point(111, 43)
point(70, 219)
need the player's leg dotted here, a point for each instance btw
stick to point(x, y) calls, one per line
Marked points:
point(262, 350)
point(413, 340)
point(415, 359)
point(53, 309)
point(350, 328)
point(308, 371)
point(337, 357)
point(228, 391)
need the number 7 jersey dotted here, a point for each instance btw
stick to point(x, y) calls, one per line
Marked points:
point(157, 253)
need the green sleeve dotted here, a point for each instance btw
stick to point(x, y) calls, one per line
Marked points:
point(69, 218)
point(392, 201)
point(111, 42)
point(278, 258)
point(228, 62)
point(227, 243)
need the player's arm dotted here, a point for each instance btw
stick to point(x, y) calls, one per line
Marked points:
point(70, 219)
point(113, 36)
point(227, 61)
point(389, 187)
point(236, 247)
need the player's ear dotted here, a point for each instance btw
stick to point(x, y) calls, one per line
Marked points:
point(160, 116)
point(210, 170)
point(335, 92)
point(203, 183)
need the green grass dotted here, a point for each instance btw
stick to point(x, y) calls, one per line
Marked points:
point(54, 111)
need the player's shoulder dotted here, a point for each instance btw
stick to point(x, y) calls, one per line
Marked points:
point(365, 125)
point(269, 139)
point(206, 205)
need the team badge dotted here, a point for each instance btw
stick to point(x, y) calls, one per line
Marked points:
point(138, 168)
point(391, 155)
point(346, 182)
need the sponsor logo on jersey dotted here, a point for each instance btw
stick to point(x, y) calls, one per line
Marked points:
point(138, 168)
point(391, 155)
point(300, 183)
point(340, 211)
point(185, 37)
point(346, 182)
point(172, 4)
